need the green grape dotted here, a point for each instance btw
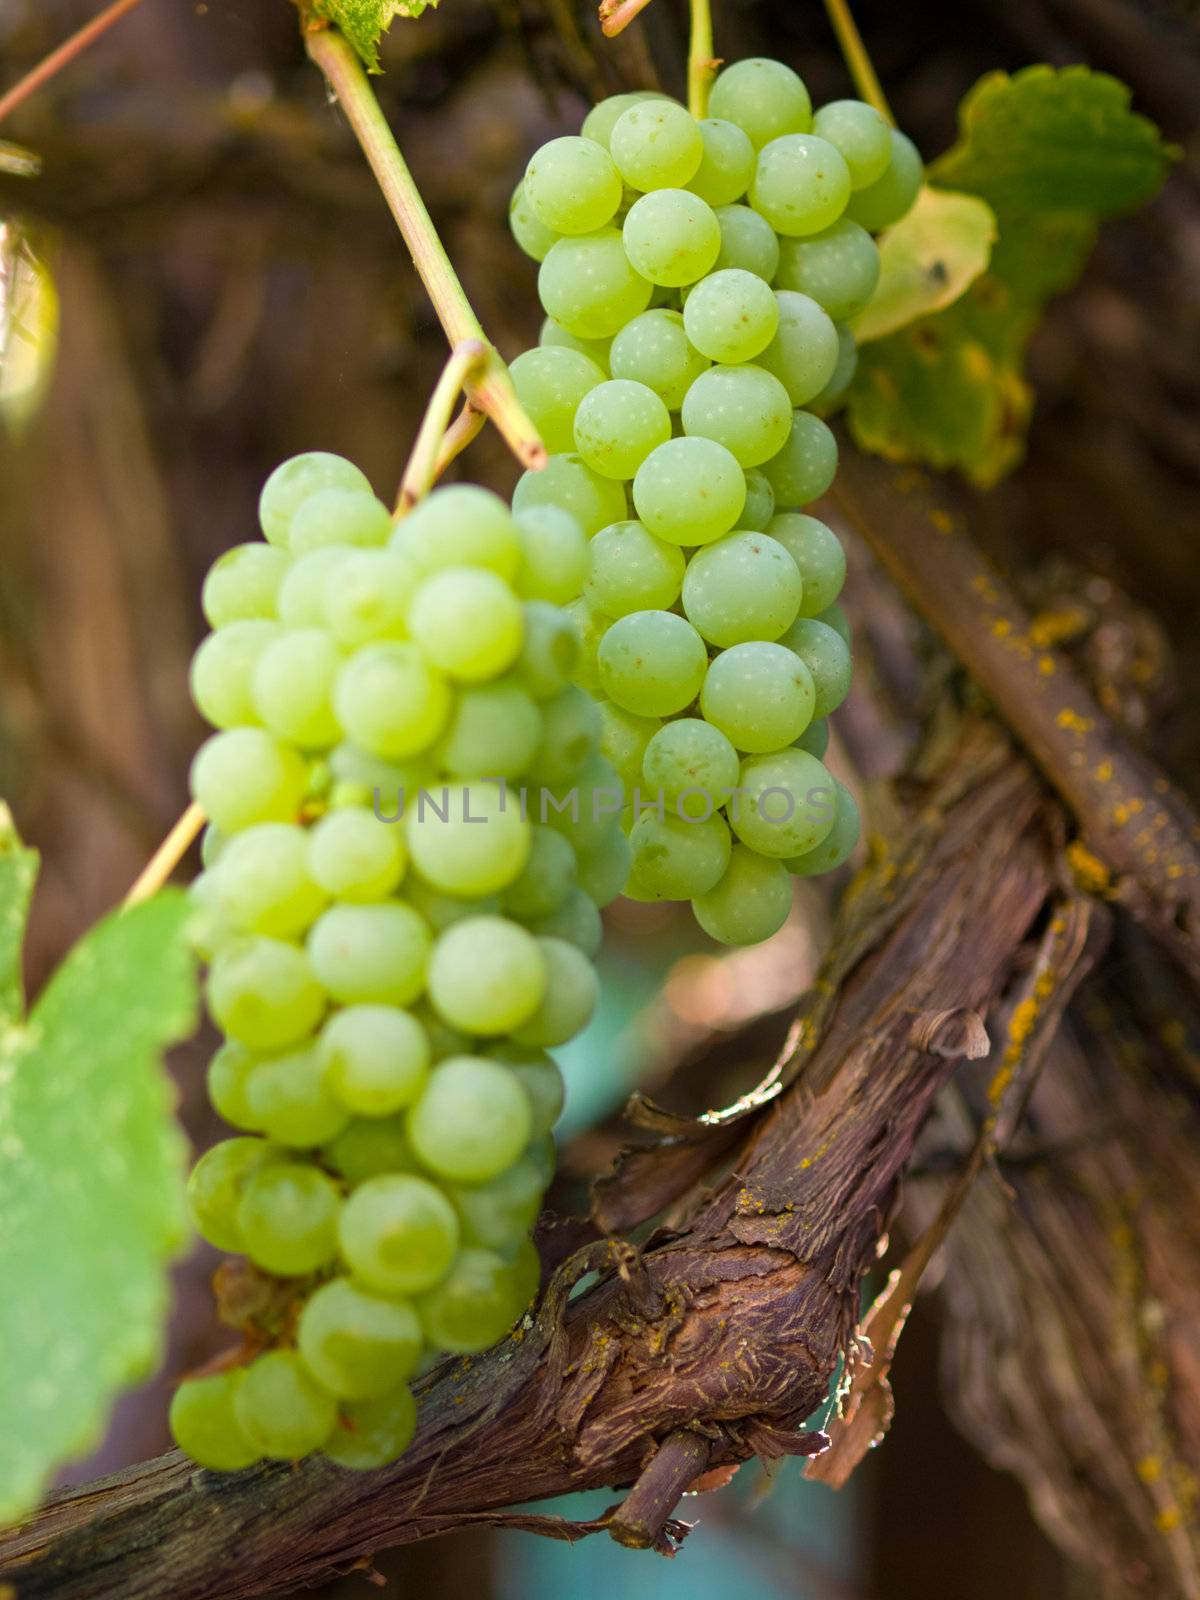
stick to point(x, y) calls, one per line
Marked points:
point(656, 145)
point(731, 315)
point(542, 1084)
point(306, 587)
point(550, 382)
point(526, 1268)
point(486, 975)
point(689, 492)
point(748, 242)
point(223, 668)
point(838, 845)
point(472, 1122)
point(390, 701)
point(654, 349)
point(544, 1152)
point(373, 1433)
point(242, 585)
point(804, 352)
point(567, 482)
point(838, 268)
point(572, 185)
point(801, 184)
point(744, 408)
point(287, 1097)
point(727, 164)
point(570, 734)
point(834, 617)
point(467, 622)
point(806, 466)
point(216, 1184)
point(553, 336)
point(264, 993)
point(375, 1058)
point(498, 1214)
point(623, 739)
point(671, 237)
point(576, 920)
point(693, 765)
point(356, 1344)
point(568, 1000)
point(288, 1219)
point(589, 285)
point(398, 1233)
point(817, 552)
point(759, 695)
point(293, 686)
point(834, 392)
point(473, 841)
point(281, 1409)
point(744, 587)
point(226, 1083)
point(352, 855)
point(617, 425)
point(370, 952)
point(245, 775)
point(604, 867)
point(675, 858)
point(749, 903)
point(262, 880)
point(630, 570)
point(369, 1147)
point(204, 1424)
point(760, 503)
point(827, 657)
point(550, 651)
point(461, 526)
point(589, 627)
point(652, 663)
point(292, 482)
point(786, 806)
point(442, 911)
point(892, 196)
point(602, 118)
point(585, 810)
point(338, 517)
point(862, 136)
point(763, 97)
point(212, 842)
point(474, 1306)
point(815, 738)
point(207, 928)
point(554, 554)
point(528, 229)
point(371, 596)
point(547, 879)
point(496, 728)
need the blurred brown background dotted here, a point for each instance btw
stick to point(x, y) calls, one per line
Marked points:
point(233, 291)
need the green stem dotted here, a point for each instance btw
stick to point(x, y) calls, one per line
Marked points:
point(466, 362)
point(493, 390)
point(858, 62)
point(66, 53)
point(702, 66)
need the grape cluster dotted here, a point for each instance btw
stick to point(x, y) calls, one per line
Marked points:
point(396, 932)
point(697, 277)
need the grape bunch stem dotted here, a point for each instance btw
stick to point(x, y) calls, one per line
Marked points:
point(858, 61)
point(429, 459)
point(492, 390)
point(702, 64)
point(167, 857)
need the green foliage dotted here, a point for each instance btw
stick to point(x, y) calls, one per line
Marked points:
point(1052, 152)
point(364, 22)
point(91, 1173)
point(928, 260)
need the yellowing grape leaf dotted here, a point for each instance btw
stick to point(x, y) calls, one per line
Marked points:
point(1052, 152)
point(91, 1174)
point(364, 22)
point(927, 260)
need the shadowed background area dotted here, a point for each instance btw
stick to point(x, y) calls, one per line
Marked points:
point(232, 291)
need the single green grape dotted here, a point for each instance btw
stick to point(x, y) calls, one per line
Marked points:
point(760, 503)
point(528, 229)
point(671, 237)
point(786, 805)
point(763, 97)
point(543, 1087)
point(371, 1147)
point(893, 195)
point(604, 867)
point(308, 583)
point(552, 648)
point(498, 1214)
point(567, 482)
point(222, 671)
point(461, 525)
point(589, 285)
point(281, 1409)
point(577, 921)
point(749, 903)
point(371, 597)
point(375, 1059)
point(834, 617)
point(264, 993)
point(356, 1344)
point(804, 352)
point(744, 587)
point(262, 880)
point(225, 1080)
point(656, 144)
point(838, 845)
point(818, 554)
point(496, 728)
point(216, 1184)
point(552, 336)
point(486, 975)
point(815, 738)
point(827, 657)
point(546, 880)
point(630, 570)
point(602, 118)
point(862, 136)
point(474, 1306)
point(288, 1098)
point(352, 855)
point(655, 350)
point(689, 492)
point(292, 482)
point(806, 466)
point(293, 684)
point(467, 623)
point(838, 268)
point(373, 1433)
point(472, 1121)
point(338, 517)
point(617, 425)
point(834, 392)
point(623, 739)
point(570, 734)
point(801, 184)
point(745, 408)
point(398, 1233)
point(760, 695)
point(370, 953)
point(472, 840)
point(243, 584)
point(245, 775)
point(589, 627)
point(390, 700)
point(288, 1217)
point(692, 764)
point(731, 315)
point(748, 242)
point(727, 164)
point(568, 999)
point(572, 185)
point(652, 663)
point(550, 382)
point(676, 857)
point(204, 1423)
point(553, 555)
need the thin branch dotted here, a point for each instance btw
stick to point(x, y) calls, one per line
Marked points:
point(458, 436)
point(64, 55)
point(464, 363)
point(702, 64)
point(167, 857)
point(858, 62)
point(493, 392)
point(616, 15)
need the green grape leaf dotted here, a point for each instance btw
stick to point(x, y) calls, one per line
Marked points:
point(1052, 152)
point(364, 22)
point(927, 260)
point(91, 1176)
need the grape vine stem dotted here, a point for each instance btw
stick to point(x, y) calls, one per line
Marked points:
point(858, 62)
point(167, 857)
point(492, 389)
point(616, 15)
point(702, 64)
point(64, 55)
point(425, 463)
